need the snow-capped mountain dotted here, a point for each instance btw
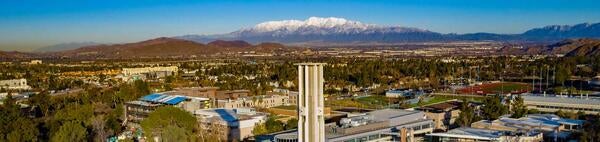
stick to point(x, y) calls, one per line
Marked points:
point(312, 22)
point(319, 29)
point(339, 30)
point(320, 26)
point(317, 25)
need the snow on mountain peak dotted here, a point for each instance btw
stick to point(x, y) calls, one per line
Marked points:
point(318, 22)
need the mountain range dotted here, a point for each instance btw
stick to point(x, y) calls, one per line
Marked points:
point(317, 31)
point(339, 30)
point(569, 48)
point(168, 47)
point(266, 38)
point(177, 48)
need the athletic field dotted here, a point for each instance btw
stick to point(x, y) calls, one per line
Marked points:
point(496, 88)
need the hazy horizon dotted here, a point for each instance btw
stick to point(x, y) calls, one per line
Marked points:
point(27, 25)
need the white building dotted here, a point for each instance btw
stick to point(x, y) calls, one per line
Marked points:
point(467, 134)
point(375, 126)
point(233, 124)
point(32, 62)
point(129, 74)
point(15, 84)
point(264, 101)
point(133, 71)
point(556, 103)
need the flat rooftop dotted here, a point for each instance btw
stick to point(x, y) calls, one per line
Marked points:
point(475, 133)
point(143, 103)
point(386, 114)
point(564, 100)
point(229, 115)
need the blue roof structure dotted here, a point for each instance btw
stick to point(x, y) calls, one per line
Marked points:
point(151, 97)
point(175, 100)
point(227, 114)
point(165, 99)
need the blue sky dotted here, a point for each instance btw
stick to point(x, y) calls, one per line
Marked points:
point(29, 24)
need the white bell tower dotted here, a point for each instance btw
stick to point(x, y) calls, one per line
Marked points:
point(311, 121)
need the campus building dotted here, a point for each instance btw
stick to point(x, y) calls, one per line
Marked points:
point(551, 125)
point(379, 125)
point(204, 92)
point(14, 84)
point(264, 101)
point(292, 95)
point(209, 93)
point(32, 62)
point(225, 98)
point(467, 134)
point(231, 124)
point(293, 98)
point(131, 74)
point(231, 94)
point(137, 110)
point(443, 114)
point(555, 103)
point(409, 93)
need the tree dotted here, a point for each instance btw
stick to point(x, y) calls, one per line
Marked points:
point(421, 101)
point(14, 126)
point(182, 123)
point(270, 126)
point(467, 115)
point(567, 114)
point(10, 104)
point(274, 125)
point(518, 107)
point(98, 125)
point(591, 130)
point(113, 125)
point(75, 112)
point(176, 134)
point(212, 132)
point(71, 131)
point(141, 88)
point(23, 130)
point(41, 102)
point(291, 124)
point(533, 111)
point(260, 129)
point(493, 107)
point(562, 74)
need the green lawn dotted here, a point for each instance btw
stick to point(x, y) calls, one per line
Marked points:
point(374, 100)
point(371, 102)
point(439, 99)
point(289, 107)
point(432, 100)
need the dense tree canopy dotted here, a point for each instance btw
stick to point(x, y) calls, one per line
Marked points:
point(493, 108)
point(71, 131)
point(518, 107)
point(170, 124)
point(466, 115)
point(96, 113)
